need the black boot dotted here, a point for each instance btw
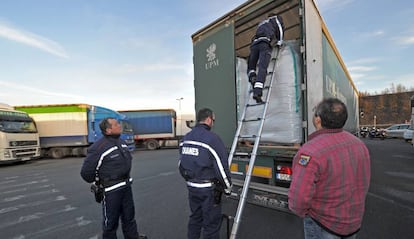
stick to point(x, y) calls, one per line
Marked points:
point(257, 95)
point(258, 99)
point(252, 78)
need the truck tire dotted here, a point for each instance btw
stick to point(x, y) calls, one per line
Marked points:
point(152, 144)
point(84, 151)
point(43, 153)
point(79, 151)
point(57, 153)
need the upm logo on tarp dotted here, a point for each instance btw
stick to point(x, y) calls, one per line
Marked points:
point(212, 60)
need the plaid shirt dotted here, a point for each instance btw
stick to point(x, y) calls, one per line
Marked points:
point(331, 175)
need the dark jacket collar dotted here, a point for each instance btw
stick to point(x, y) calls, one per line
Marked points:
point(202, 125)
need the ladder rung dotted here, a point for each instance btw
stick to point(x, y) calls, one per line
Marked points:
point(252, 120)
point(255, 104)
point(247, 136)
point(241, 154)
point(264, 89)
point(237, 173)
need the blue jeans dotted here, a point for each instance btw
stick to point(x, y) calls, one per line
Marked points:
point(314, 231)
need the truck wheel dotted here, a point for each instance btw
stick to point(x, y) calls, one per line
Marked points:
point(152, 144)
point(84, 151)
point(43, 153)
point(78, 152)
point(57, 153)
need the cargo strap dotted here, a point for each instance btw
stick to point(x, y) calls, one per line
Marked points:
point(243, 122)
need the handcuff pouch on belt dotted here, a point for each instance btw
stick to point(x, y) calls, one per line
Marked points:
point(98, 190)
point(217, 192)
point(217, 196)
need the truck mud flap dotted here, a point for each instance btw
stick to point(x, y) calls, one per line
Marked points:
point(263, 195)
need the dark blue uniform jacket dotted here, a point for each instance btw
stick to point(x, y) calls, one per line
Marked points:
point(113, 158)
point(203, 157)
point(269, 30)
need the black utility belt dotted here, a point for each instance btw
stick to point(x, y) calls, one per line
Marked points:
point(108, 183)
point(197, 183)
point(266, 39)
point(201, 181)
point(121, 184)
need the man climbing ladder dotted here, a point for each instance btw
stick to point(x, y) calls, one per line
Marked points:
point(260, 52)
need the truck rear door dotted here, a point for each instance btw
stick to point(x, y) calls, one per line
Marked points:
point(214, 83)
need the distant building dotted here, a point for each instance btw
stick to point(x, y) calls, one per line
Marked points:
point(385, 110)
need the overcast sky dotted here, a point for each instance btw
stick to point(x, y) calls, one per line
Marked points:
point(128, 54)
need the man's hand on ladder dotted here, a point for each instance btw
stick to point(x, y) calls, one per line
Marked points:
point(227, 191)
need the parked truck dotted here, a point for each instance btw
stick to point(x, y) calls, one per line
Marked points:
point(69, 129)
point(154, 128)
point(308, 69)
point(19, 139)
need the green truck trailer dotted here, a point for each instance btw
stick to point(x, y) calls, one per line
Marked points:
point(310, 65)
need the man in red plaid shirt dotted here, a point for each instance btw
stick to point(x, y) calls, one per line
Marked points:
point(331, 175)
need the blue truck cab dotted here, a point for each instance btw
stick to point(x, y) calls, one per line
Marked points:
point(97, 113)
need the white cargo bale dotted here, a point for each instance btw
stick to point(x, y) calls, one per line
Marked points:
point(284, 115)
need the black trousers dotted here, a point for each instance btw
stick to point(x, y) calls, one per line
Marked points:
point(260, 54)
point(205, 214)
point(119, 204)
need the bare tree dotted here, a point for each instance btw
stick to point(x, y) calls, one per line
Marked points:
point(399, 88)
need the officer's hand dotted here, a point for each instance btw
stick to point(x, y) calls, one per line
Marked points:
point(279, 44)
point(227, 191)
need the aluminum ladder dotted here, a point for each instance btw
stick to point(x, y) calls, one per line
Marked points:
point(256, 137)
